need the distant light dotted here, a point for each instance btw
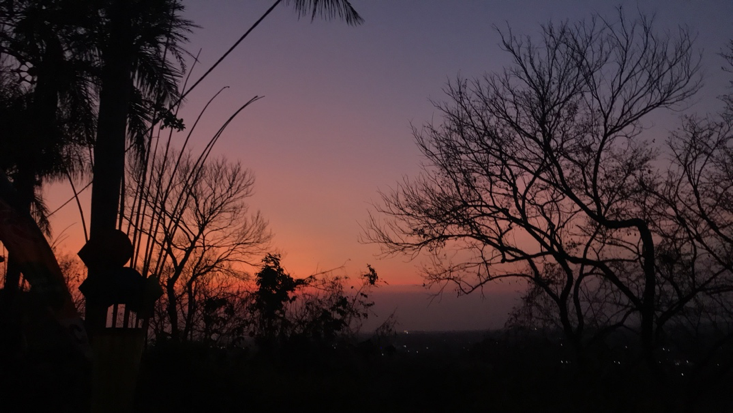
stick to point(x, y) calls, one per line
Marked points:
point(406, 332)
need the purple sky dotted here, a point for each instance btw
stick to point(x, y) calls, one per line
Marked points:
point(334, 126)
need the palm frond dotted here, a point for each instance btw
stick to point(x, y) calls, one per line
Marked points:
point(328, 9)
point(39, 212)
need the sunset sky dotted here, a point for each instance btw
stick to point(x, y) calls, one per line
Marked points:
point(334, 126)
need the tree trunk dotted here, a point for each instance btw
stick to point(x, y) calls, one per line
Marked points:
point(109, 148)
point(173, 310)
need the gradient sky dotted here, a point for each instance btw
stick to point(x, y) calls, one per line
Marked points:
point(335, 124)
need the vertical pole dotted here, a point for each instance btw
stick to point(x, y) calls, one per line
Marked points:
point(116, 351)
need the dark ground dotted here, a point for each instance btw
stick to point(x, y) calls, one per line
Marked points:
point(420, 372)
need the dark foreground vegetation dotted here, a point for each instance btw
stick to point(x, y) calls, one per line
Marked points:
point(416, 372)
point(428, 372)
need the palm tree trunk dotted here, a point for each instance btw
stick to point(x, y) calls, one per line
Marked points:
point(109, 149)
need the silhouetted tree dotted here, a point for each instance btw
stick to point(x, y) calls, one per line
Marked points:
point(688, 202)
point(328, 311)
point(275, 290)
point(317, 310)
point(691, 208)
point(198, 232)
point(139, 38)
point(60, 54)
point(539, 173)
point(51, 108)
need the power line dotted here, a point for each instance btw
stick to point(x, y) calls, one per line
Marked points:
point(70, 199)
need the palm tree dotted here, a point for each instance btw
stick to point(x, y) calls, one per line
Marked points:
point(115, 100)
point(139, 39)
point(62, 57)
point(47, 108)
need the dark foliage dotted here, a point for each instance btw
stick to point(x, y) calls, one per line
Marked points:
point(317, 311)
point(426, 372)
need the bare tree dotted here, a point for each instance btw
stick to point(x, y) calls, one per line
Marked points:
point(692, 209)
point(539, 173)
point(199, 233)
